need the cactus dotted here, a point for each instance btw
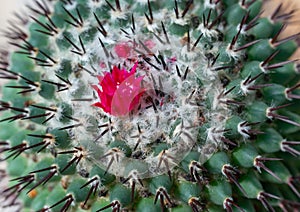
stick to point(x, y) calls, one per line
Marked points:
point(150, 105)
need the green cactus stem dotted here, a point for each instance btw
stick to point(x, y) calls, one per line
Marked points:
point(177, 105)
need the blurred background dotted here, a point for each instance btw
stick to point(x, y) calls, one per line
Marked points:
point(6, 12)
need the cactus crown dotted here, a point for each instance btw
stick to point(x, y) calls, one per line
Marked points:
point(151, 105)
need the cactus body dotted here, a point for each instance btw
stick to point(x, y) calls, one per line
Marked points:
point(151, 106)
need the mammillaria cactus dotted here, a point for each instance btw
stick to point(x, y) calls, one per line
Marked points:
point(179, 105)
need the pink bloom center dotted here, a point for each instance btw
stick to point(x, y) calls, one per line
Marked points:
point(120, 91)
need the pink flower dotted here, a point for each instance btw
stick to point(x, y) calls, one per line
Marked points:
point(121, 91)
point(123, 50)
